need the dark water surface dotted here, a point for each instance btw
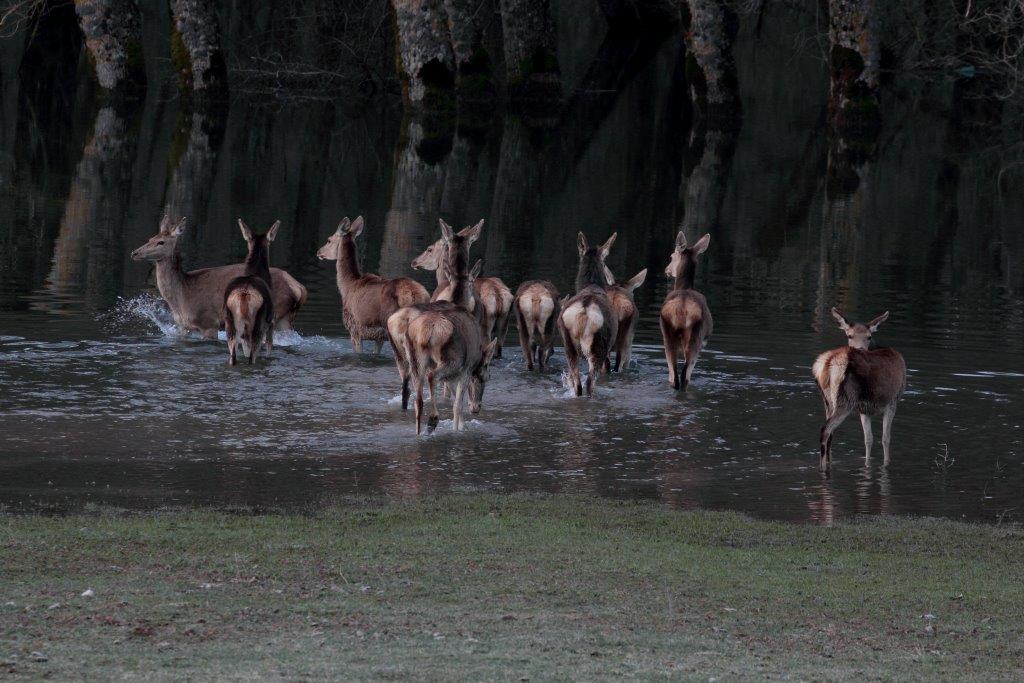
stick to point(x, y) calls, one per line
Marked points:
point(100, 403)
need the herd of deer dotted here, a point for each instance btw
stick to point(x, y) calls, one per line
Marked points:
point(451, 336)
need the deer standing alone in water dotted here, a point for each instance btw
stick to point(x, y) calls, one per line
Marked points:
point(685, 317)
point(537, 309)
point(454, 259)
point(587, 322)
point(248, 303)
point(621, 297)
point(446, 343)
point(859, 377)
point(494, 296)
point(367, 300)
point(196, 297)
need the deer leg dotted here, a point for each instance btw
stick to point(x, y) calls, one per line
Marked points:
point(434, 417)
point(668, 340)
point(418, 381)
point(270, 338)
point(254, 347)
point(594, 366)
point(500, 329)
point(357, 343)
point(865, 425)
point(524, 336)
point(827, 429)
point(692, 353)
point(232, 355)
point(887, 417)
point(457, 407)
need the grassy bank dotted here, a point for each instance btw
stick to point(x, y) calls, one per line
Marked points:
point(487, 587)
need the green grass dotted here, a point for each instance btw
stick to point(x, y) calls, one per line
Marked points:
point(488, 587)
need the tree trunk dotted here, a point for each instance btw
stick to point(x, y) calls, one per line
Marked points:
point(425, 50)
point(195, 44)
point(113, 34)
point(531, 57)
point(710, 31)
point(853, 62)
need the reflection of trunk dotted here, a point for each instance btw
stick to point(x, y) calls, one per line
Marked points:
point(710, 71)
point(411, 222)
point(113, 34)
point(188, 194)
point(705, 188)
point(424, 46)
point(195, 44)
point(639, 13)
point(853, 62)
point(87, 255)
point(842, 232)
point(531, 60)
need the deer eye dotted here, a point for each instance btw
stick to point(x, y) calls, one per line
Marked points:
point(160, 242)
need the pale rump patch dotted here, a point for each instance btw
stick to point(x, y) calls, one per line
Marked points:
point(583, 324)
point(829, 370)
point(536, 307)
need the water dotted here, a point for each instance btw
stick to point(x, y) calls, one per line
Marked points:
point(101, 402)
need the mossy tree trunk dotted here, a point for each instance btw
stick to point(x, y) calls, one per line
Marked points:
point(853, 63)
point(113, 34)
point(531, 56)
point(196, 45)
point(473, 64)
point(425, 50)
point(710, 27)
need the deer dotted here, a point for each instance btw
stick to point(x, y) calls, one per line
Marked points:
point(453, 259)
point(196, 297)
point(685, 318)
point(367, 300)
point(537, 309)
point(445, 342)
point(248, 303)
point(859, 377)
point(621, 297)
point(494, 296)
point(587, 321)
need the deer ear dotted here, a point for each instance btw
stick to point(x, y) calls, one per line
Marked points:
point(581, 243)
point(447, 233)
point(472, 234)
point(489, 351)
point(844, 324)
point(636, 280)
point(607, 246)
point(165, 223)
point(873, 325)
point(357, 227)
point(680, 241)
point(272, 233)
point(179, 229)
point(246, 230)
point(474, 272)
point(702, 244)
point(343, 226)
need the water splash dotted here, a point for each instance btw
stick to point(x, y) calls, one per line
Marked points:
point(141, 312)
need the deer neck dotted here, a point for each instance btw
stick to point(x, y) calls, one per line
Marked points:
point(257, 263)
point(686, 277)
point(589, 273)
point(347, 264)
point(170, 280)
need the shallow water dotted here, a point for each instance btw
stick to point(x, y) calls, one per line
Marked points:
point(100, 402)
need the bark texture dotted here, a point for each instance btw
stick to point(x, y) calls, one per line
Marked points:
point(424, 47)
point(197, 29)
point(710, 70)
point(853, 62)
point(531, 57)
point(113, 34)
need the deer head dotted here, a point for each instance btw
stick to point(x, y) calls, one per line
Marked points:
point(684, 258)
point(163, 244)
point(858, 335)
point(346, 228)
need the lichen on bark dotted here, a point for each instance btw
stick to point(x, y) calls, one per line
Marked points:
point(531, 56)
point(710, 28)
point(853, 65)
point(195, 44)
point(424, 50)
point(113, 35)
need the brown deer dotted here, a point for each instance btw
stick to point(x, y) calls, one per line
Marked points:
point(685, 317)
point(196, 297)
point(537, 309)
point(621, 297)
point(367, 300)
point(494, 296)
point(248, 304)
point(587, 320)
point(859, 377)
point(445, 342)
point(453, 258)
